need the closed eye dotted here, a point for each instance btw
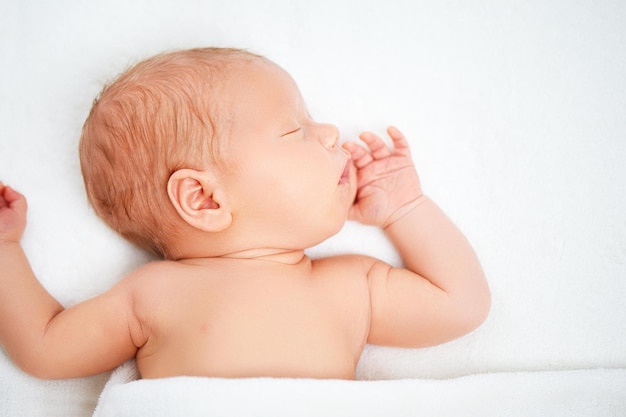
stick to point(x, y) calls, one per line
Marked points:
point(291, 132)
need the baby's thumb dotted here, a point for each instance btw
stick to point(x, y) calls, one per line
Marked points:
point(14, 200)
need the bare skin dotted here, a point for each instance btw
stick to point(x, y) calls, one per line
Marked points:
point(255, 304)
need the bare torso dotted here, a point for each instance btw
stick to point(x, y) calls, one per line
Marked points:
point(246, 318)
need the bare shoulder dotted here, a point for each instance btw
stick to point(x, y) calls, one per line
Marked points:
point(153, 272)
point(155, 268)
point(357, 265)
point(351, 269)
point(152, 281)
point(345, 279)
point(347, 271)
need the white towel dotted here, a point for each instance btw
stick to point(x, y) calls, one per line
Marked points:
point(584, 393)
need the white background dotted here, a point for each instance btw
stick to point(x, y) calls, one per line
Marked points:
point(516, 113)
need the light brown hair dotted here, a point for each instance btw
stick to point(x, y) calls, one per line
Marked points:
point(159, 116)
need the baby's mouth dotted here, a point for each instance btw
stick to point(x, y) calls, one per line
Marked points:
point(345, 175)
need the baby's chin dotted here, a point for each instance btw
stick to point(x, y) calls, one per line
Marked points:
point(332, 230)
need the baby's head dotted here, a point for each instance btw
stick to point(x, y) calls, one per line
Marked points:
point(157, 117)
point(212, 152)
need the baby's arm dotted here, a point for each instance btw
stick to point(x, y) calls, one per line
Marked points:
point(41, 336)
point(442, 294)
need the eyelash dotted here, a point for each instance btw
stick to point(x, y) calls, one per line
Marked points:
point(290, 132)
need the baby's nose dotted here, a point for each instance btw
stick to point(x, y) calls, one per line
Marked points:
point(329, 135)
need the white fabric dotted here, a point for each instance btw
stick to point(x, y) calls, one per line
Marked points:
point(515, 113)
point(598, 392)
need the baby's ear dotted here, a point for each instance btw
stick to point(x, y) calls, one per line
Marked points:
point(197, 198)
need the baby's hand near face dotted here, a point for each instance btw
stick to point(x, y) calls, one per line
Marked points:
point(387, 182)
point(12, 214)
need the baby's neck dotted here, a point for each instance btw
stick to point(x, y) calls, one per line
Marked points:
point(278, 256)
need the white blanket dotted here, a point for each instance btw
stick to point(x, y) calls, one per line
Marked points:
point(515, 114)
point(599, 392)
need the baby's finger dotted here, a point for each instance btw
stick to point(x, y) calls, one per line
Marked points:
point(3, 200)
point(400, 144)
point(359, 155)
point(378, 148)
point(13, 199)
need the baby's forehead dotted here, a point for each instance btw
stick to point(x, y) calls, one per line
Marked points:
point(260, 76)
point(239, 76)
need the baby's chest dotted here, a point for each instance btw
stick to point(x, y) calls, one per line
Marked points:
point(263, 331)
point(277, 331)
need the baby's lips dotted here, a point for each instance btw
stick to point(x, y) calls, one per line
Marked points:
point(345, 174)
point(346, 169)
